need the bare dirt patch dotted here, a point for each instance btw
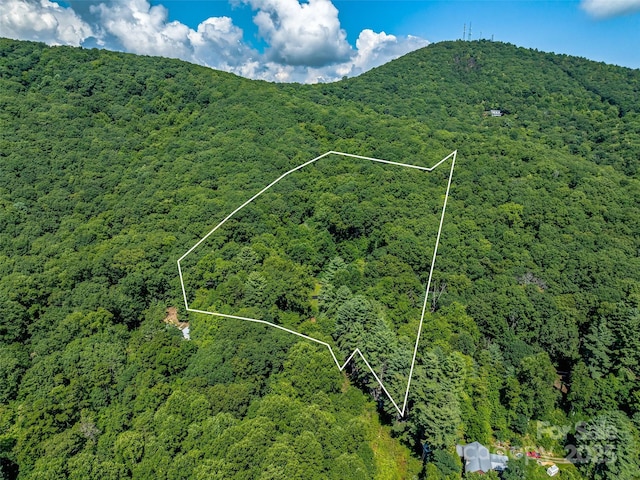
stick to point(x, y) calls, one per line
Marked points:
point(172, 318)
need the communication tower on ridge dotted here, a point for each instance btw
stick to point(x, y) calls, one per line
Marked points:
point(466, 36)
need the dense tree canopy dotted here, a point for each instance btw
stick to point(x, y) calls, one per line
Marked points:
point(112, 166)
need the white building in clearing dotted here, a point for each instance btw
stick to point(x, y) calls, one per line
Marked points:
point(476, 458)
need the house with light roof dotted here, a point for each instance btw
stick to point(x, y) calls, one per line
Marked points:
point(476, 458)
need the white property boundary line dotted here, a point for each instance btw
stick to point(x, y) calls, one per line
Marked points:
point(402, 410)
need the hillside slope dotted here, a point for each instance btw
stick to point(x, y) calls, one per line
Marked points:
point(587, 108)
point(113, 165)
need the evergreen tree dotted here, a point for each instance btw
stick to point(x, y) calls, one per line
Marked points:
point(515, 469)
point(598, 343)
point(607, 447)
point(254, 289)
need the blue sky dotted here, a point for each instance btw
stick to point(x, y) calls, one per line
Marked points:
point(323, 40)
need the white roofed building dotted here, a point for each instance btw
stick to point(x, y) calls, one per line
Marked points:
point(476, 458)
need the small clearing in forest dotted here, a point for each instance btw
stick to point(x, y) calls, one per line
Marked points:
point(172, 318)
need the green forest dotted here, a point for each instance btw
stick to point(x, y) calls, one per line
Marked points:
point(112, 166)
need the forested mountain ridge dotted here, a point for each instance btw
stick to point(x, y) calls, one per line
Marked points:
point(112, 165)
point(569, 103)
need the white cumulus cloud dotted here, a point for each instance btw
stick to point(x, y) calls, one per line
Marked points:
point(218, 43)
point(377, 48)
point(305, 41)
point(372, 50)
point(143, 29)
point(42, 21)
point(610, 8)
point(301, 33)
